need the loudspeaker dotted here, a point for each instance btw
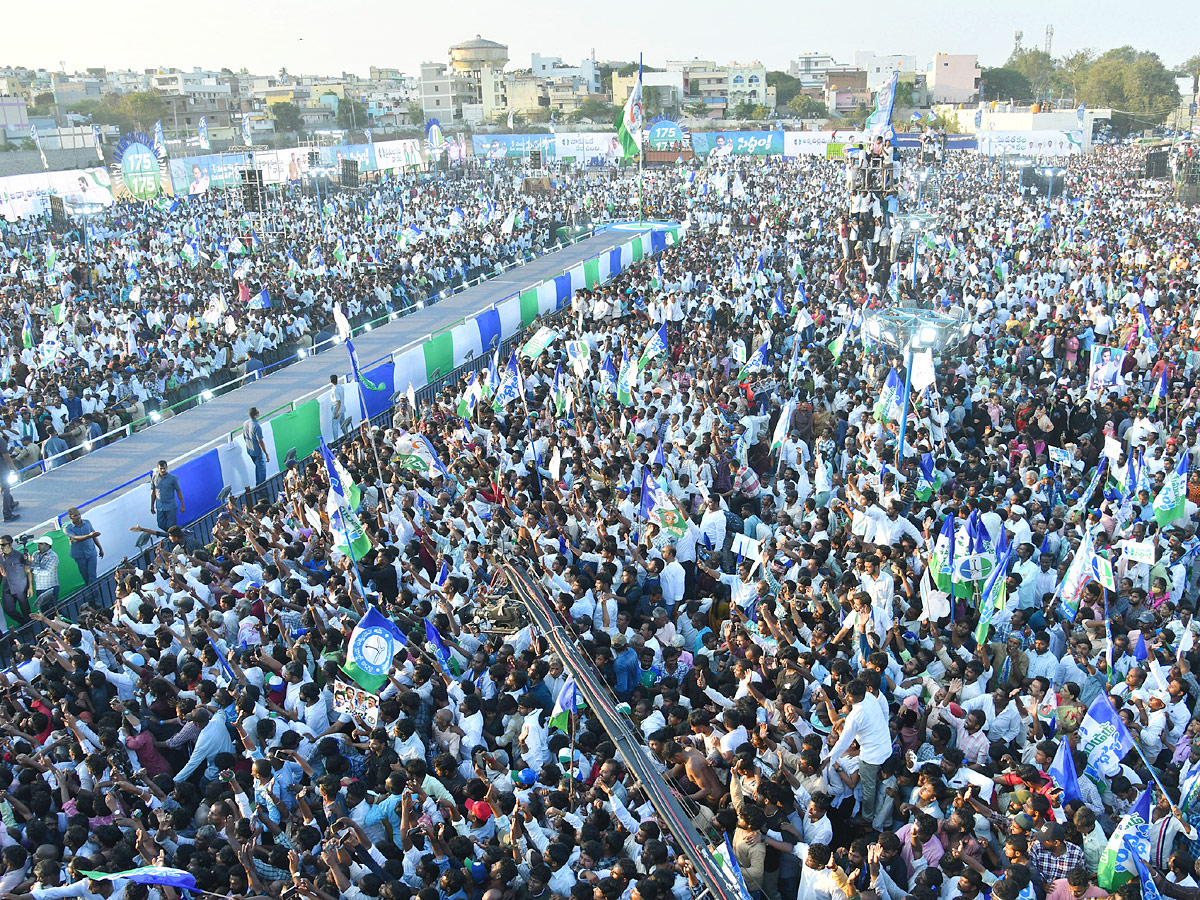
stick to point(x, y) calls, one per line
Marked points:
point(535, 159)
point(252, 190)
point(58, 214)
point(1156, 164)
point(313, 159)
point(350, 173)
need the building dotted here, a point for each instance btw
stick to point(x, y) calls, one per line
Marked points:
point(881, 68)
point(14, 118)
point(68, 91)
point(845, 90)
point(954, 78)
point(810, 68)
point(444, 92)
point(552, 69)
point(668, 88)
point(748, 84)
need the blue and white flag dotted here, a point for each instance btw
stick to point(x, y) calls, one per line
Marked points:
point(608, 375)
point(656, 346)
point(261, 300)
point(202, 131)
point(891, 398)
point(246, 130)
point(160, 140)
point(440, 650)
point(37, 142)
point(885, 99)
point(1079, 113)
point(1062, 770)
point(1104, 738)
point(372, 647)
point(760, 359)
point(510, 385)
point(164, 875)
point(98, 143)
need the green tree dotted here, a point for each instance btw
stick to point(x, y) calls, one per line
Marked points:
point(596, 110)
point(1192, 67)
point(744, 110)
point(803, 106)
point(859, 117)
point(1005, 84)
point(416, 113)
point(352, 115)
point(136, 111)
point(1036, 65)
point(1131, 81)
point(697, 110)
point(287, 117)
point(652, 101)
point(1072, 71)
point(43, 103)
point(786, 87)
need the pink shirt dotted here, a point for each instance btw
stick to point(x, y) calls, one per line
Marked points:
point(932, 850)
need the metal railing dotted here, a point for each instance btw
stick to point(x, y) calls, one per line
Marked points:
point(198, 393)
point(102, 593)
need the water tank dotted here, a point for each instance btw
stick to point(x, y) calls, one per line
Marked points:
point(478, 53)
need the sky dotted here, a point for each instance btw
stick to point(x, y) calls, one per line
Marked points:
point(323, 38)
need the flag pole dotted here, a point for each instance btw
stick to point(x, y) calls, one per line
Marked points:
point(641, 154)
point(362, 400)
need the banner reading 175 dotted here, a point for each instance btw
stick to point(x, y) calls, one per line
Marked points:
point(737, 143)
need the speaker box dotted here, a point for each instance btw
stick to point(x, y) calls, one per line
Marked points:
point(1156, 164)
point(350, 173)
point(535, 159)
point(252, 181)
point(313, 159)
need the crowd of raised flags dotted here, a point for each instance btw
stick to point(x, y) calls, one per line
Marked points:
point(959, 668)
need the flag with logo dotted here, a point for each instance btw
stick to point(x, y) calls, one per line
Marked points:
point(760, 359)
point(942, 563)
point(658, 507)
point(655, 346)
point(444, 657)
point(510, 385)
point(1129, 842)
point(627, 381)
point(414, 452)
point(160, 141)
point(891, 400)
point(536, 345)
point(98, 142)
point(1104, 738)
point(348, 535)
point(246, 130)
point(632, 119)
point(202, 132)
point(781, 427)
point(885, 98)
point(608, 375)
point(836, 346)
point(1171, 502)
point(369, 652)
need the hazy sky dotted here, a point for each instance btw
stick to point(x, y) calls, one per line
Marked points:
point(326, 37)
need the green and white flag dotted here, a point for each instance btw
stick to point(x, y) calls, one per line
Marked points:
point(1116, 864)
point(372, 646)
point(626, 381)
point(631, 120)
point(1171, 502)
point(781, 427)
point(536, 345)
point(836, 345)
point(565, 704)
point(414, 453)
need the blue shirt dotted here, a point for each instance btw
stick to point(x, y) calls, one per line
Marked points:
point(168, 491)
point(81, 549)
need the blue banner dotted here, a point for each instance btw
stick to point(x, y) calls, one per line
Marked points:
point(737, 143)
point(199, 480)
point(511, 146)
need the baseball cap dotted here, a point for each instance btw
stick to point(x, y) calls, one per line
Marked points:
point(480, 809)
point(525, 777)
point(1051, 831)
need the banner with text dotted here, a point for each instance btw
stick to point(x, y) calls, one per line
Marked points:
point(1031, 143)
point(737, 143)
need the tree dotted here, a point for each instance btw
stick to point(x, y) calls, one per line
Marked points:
point(652, 101)
point(287, 117)
point(1192, 67)
point(352, 115)
point(1036, 65)
point(136, 111)
point(697, 110)
point(859, 117)
point(744, 110)
point(1005, 84)
point(597, 111)
point(1131, 81)
point(416, 113)
point(803, 106)
point(786, 87)
point(1073, 69)
point(43, 102)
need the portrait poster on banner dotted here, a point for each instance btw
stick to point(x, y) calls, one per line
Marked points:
point(351, 700)
point(1104, 372)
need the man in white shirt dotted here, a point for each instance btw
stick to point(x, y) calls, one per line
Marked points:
point(866, 724)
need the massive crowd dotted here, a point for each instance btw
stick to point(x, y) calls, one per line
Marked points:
point(141, 309)
point(761, 575)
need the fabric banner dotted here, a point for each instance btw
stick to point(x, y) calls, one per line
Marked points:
point(410, 369)
point(547, 297)
point(737, 143)
point(113, 520)
point(509, 311)
point(636, 249)
point(439, 356)
point(591, 273)
point(1030, 143)
point(529, 307)
point(299, 429)
point(562, 289)
point(488, 325)
point(466, 343)
point(200, 480)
